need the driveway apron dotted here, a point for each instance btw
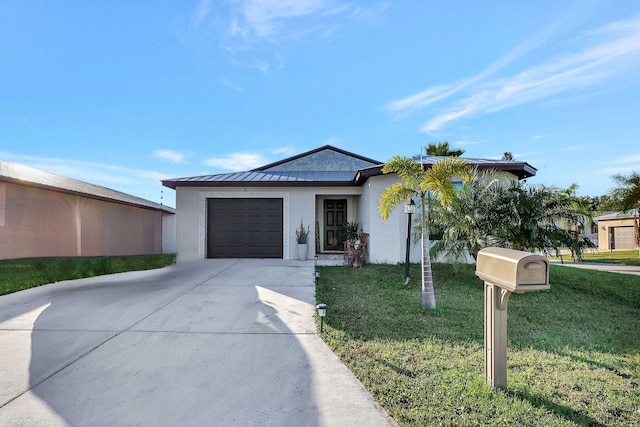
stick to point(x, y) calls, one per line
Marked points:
point(206, 343)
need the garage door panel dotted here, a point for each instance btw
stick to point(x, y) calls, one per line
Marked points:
point(623, 237)
point(244, 228)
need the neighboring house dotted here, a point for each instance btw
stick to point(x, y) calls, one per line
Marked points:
point(618, 230)
point(46, 215)
point(254, 214)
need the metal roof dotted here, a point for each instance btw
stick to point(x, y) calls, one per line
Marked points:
point(326, 166)
point(25, 175)
point(522, 170)
point(617, 215)
point(265, 178)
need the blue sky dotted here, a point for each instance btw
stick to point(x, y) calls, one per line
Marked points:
point(125, 94)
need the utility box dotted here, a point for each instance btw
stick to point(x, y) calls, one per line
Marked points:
point(515, 271)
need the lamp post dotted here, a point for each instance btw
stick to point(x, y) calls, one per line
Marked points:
point(322, 311)
point(409, 209)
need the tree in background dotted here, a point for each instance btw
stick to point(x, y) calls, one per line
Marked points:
point(626, 195)
point(442, 149)
point(507, 156)
point(494, 211)
point(435, 182)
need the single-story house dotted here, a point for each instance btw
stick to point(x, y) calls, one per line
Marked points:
point(47, 215)
point(254, 214)
point(618, 230)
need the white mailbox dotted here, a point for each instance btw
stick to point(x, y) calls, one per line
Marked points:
point(515, 271)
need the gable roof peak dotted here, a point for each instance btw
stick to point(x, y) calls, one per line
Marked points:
point(325, 158)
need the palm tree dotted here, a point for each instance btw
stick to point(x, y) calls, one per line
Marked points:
point(493, 211)
point(436, 182)
point(442, 149)
point(470, 222)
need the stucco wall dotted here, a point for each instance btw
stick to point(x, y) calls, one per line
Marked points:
point(605, 225)
point(42, 223)
point(387, 239)
point(387, 243)
point(298, 204)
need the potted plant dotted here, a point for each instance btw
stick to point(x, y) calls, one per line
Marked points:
point(352, 232)
point(302, 238)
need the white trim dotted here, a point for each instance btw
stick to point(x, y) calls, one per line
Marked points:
point(202, 213)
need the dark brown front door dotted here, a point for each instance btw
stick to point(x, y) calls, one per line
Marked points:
point(335, 216)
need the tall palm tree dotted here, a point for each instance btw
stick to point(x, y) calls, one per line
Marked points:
point(437, 182)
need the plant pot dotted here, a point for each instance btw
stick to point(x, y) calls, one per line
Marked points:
point(303, 250)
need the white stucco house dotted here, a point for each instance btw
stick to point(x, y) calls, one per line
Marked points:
point(254, 214)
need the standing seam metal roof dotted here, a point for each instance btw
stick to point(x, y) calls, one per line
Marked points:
point(275, 173)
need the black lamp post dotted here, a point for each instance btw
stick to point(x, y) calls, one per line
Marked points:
point(409, 209)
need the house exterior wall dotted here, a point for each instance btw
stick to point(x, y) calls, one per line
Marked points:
point(604, 227)
point(37, 222)
point(387, 239)
point(299, 203)
point(168, 234)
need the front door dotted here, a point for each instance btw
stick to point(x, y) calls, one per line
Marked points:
point(335, 216)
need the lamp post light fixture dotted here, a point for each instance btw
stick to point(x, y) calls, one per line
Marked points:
point(409, 209)
point(322, 311)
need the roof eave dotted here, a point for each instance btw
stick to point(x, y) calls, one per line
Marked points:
point(159, 207)
point(175, 184)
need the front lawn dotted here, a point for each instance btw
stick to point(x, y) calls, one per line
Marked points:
point(615, 257)
point(25, 273)
point(573, 351)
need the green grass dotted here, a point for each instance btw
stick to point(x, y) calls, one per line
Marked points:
point(615, 257)
point(24, 273)
point(573, 351)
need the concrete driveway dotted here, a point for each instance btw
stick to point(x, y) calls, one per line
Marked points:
point(207, 343)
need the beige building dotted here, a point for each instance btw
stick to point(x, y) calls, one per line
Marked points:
point(618, 230)
point(46, 215)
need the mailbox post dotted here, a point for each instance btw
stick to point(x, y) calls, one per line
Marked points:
point(505, 271)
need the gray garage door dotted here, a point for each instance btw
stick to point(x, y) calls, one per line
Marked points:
point(244, 228)
point(623, 238)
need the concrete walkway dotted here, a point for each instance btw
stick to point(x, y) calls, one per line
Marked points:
point(614, 268)
point(208, 343)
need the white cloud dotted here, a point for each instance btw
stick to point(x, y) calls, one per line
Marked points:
point(203, 8)
point(278, 20)
point(139, 182)
point(628, 159)
point(461, 143)
point(171, 155)
point(237, 161)
point(609, 52)
point(263, 15)
point(285, 151)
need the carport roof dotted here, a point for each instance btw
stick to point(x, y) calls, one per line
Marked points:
point(326, 166)
point(25, 175)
